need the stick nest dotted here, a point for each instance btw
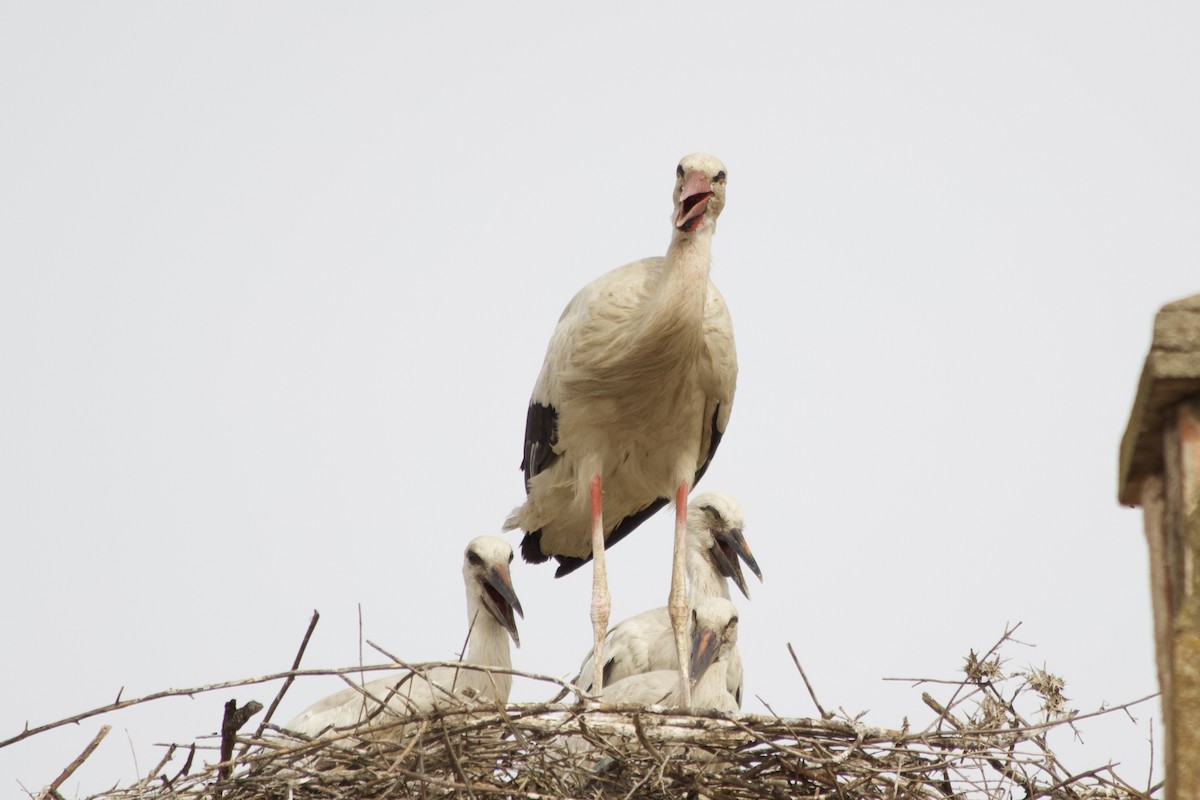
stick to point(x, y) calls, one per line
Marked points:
point(985, 742)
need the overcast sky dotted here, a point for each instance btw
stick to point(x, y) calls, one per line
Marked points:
point(276, 280)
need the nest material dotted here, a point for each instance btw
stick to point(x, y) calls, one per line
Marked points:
point(981, 745)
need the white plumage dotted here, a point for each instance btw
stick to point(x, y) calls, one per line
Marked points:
point(645, 642)
point(491, 603)
point(632, 401)
point(714, 639)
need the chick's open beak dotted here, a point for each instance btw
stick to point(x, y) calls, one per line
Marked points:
point(500, 599)
point(729, 546)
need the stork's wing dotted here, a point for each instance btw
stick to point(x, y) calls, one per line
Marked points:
point(723, 369)
point(541, 421)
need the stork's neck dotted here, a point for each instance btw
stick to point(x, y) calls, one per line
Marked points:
point(675, 313)
point(690, 254)
point(488, 646)
point(704, 579)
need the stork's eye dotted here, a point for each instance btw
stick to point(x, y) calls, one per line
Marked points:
point(720, 177)
point(474, 558)
point(679, 170)
point(510, 558)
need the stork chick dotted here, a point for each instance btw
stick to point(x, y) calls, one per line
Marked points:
point(714, 637)
point(491, 604)
point(715, 549)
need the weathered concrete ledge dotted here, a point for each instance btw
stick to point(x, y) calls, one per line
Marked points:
point(1171, 373)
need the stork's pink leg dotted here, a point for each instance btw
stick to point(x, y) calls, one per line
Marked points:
point(601, 601)
point(677, 605)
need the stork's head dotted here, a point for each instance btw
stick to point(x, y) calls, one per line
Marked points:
point(485, 573)
point(699, 192)
point(715, 523)
point(714, 633)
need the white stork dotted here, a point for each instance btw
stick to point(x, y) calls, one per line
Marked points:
point(491, 603)
point(631, 403)
point(714, 638)
point(645, 642)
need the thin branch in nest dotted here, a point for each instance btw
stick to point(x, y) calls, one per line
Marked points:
point(641, 736)
point(262, 726)
point(1150, 771)
point(185, 769)
point(234, 684)
point(158, 767)
point(51, 791)
point(233, 721)
point(824, 714)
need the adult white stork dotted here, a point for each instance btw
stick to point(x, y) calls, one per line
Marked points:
point(714, 638)
point(631, 403)
point(645, 642)
point(491, 603)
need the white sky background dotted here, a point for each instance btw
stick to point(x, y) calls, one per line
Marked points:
point(276, 280)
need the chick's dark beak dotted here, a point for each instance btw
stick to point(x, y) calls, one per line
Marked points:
point(500, 599)
point(705, 645)
point(728, 547)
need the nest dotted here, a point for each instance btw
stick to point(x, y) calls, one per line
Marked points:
point(980, 745)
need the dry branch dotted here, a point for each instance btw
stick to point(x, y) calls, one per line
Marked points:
point(51, 791)
point(234, 719)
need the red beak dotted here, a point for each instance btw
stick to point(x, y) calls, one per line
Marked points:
point(693, 201)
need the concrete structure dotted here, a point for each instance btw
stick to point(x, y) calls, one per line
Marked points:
point(1160, 472)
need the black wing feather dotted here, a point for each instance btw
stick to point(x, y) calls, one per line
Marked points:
point(568, 564)
point(541, 434)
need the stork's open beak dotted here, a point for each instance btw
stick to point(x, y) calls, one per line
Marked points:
point(693, 201)
point(728, 547)
point(500, 599)
point(705, 644)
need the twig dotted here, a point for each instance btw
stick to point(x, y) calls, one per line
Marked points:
point(213, 687)
point(641, 735)
point(462, 776)
point(158, 768)
point(52, 790)
point(1150, 769)
point(824, 714)
point(187, 766)
point(361, 678)
point(234, 719)
point(262, 726)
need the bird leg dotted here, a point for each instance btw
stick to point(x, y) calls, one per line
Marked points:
point(677, 605)
point(601, 601)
